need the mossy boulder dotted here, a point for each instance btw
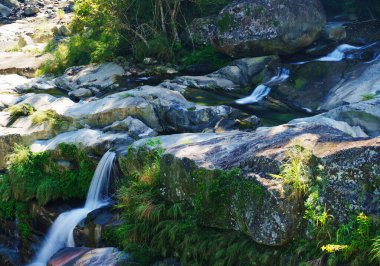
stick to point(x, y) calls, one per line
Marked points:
point(255, 28)
point(195, 167)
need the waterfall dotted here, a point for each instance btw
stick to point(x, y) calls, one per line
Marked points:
point(60, 235)
point(263, 90)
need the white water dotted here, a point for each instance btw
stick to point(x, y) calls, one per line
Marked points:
point(60, 235)
point(339, 54)
point(263, 90)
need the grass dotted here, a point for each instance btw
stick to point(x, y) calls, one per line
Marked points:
point(19, 110)
point(55, 122)
point(368, 96)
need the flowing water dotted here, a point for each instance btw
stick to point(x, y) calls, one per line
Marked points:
point(263, 90)
point(60, 234)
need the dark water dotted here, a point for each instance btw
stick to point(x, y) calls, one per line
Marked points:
point(269, 116)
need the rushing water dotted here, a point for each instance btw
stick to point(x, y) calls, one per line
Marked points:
point(263, 90)
point(60, 234)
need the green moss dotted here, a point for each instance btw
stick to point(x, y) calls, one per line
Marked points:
point(368, 96)
point(224, 23)
point(55, 122)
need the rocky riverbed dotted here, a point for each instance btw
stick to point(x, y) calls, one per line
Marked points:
point(328, 104)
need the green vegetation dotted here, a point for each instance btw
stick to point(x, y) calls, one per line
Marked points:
point(205, 55)
point(368, 96)
point(40, 176)
point(104, 30)
point(193, 229)
point(224, 23)
point(55, 122)
point(365, 9)
point(19, 110)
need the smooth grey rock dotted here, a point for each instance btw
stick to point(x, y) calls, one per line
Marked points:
point(5, 11)
point(334, 31)
point(134, 127)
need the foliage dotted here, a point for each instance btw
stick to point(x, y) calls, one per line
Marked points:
point(157, 228)
point(368, 96)
point(205, 55)
point(363, 8)
point(19, 110)
point(54, 121)
point(103, 30)
point(376, 249)
point(39, 176)
point(295, 171)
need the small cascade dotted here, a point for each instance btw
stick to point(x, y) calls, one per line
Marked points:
point(339, 54)
point(60, 234)
point(263, 90)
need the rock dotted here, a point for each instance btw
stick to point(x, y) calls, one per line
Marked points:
point(89, 231)
point(365, 115)
point(5, 11)
point(31, 11)
point(134, 127)
point(92, 140)
point(20, 63)
point(89, 257)
point(101, 76)
point(274, 221)
point(356, 85)
point(8, 83)
point(160, 109)
point(81, 93)
point(200, 30)
point(233, 78)
point(254, 28)
point(334, 31)
point(10, 3)
point(63, 31)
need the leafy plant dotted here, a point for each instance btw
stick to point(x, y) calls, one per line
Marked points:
point(368, 96)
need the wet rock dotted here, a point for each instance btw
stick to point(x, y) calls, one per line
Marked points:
point(89, 231)
point(254, 28)
point(334, 31)
point(10, 3)
point(233, 78)
point(89, 257)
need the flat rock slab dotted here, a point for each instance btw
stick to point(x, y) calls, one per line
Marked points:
point(20, 63)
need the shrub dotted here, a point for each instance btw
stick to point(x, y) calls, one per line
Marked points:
point(39, 176)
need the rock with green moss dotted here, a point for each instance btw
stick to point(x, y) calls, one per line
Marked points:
point(197, 168)
point(254, 28)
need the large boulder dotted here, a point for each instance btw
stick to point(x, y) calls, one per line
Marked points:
point(253, 28)
point(10, 3)
point(359, 83)
point(351, 167)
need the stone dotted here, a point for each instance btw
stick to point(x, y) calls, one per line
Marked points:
point(334, 31)
point(5, 11)
point(102, 76)
point(253, 28)
point(276, 220)
point(134, 127)
point(363, 80)
point(31, 11)
point(200, 30)
point(10, 3)
point(81, 93)
point(64, 31)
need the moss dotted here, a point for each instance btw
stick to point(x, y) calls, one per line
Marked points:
point(19, 110)
point(224, 23)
